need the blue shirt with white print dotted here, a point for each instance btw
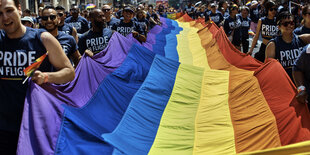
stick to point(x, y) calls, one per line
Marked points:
point(15, 56)
point(94, 41)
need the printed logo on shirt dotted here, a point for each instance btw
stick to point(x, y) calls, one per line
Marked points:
point(66, 49)
point(97, 44)
point(67, 32)
point(288, 57)
point(269, 30)
point(76, 25)
point(109, 27)
point(216, 18)
point(255, 12)
point(245, 24)
point(13, 63)
point(236, 24)
point(124, 30)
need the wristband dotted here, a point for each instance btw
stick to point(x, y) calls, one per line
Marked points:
point(45, 77)
point(301, 88)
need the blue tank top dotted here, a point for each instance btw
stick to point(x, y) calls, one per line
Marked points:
point(80, 24)
point(245, 26)
point(269, 28)
point(94, 41)
point(287, 53)
point(15, 56)
point(127, 28)
point(144, 23)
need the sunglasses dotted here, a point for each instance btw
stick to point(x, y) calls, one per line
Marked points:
point(60, 14)
point(273, 9)
point(106, 10)
point(51, 17)
point(285, 24)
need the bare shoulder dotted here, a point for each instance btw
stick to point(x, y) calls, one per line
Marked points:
point(46, 36)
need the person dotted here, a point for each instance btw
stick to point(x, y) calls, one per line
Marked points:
point(214, 15)
point(267, 27)
point(223, 4)
point(142, 21)
point(109, 19)
point(305, 29)
point(255, 13)
point(26, 13)
point(245, 27)
point(190, 10)
point(19, 47)
point(127, 26)
point(152, 17)
point(232, 26)
point(65, 27)
point(287, 47)
point(50, 21)
point(38, 19)
point(201, 11)
point(27, 21)
point(76, 21)
point(97, 38)
point(301, 75)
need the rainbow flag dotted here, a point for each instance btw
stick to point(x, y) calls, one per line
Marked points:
point(250, 32)
point(90, 6)
point(187, 90)
point(34, 66)
point(248, 4)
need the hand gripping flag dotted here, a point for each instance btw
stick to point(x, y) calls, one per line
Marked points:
point(34, 66)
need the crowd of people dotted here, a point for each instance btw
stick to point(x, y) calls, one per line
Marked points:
point(68, 34)
point(283, 28)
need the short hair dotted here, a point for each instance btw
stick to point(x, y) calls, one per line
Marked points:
point(269, 5)
point(283, 15)
point(92, 13)
point(60, 8)
point(305, 9)
point(48, 7)
point(27, 11)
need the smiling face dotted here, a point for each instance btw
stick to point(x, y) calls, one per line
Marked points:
point(9, 17)
point(272, 11)
point(50, 19)
point(287, 25)
point(107, 10)
point(128, 15)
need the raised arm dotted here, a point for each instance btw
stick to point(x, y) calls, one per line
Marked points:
point(57, 57)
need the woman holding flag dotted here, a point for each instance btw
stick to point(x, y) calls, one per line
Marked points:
point(19, 48)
